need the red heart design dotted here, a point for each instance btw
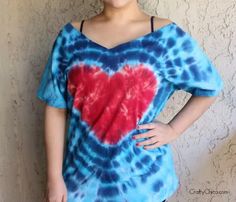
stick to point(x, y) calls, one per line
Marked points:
point(111, 104)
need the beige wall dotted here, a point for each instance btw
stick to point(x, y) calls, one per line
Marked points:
point(205, 154)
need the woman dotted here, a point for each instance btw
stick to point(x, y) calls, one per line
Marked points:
point(110, 76)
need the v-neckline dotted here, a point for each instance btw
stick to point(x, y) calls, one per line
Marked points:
point(121, 44)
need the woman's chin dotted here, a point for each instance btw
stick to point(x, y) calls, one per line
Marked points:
point(117, 3)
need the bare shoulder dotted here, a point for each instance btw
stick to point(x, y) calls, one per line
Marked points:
point(76, 24)
point(160, 22)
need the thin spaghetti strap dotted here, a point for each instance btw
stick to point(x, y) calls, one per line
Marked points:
point(81, 26)
point(152, 27)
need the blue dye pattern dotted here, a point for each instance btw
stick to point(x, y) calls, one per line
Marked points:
point(126, 85)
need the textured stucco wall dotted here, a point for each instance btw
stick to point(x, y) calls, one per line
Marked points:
point(205, 155)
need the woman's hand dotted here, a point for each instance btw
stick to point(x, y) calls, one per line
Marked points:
point(159, 134)
point(56, 190)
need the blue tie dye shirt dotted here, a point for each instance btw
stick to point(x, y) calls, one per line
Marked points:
point(107, 92)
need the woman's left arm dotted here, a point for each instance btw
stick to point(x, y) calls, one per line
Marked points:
point(161, 133)
point(191, 111)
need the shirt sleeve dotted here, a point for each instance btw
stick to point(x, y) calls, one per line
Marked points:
point(188, 67)
point(52, 86)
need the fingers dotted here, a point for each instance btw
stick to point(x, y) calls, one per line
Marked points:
point(148, 134)
point(45, 196)
point(151, 140)
point(153, 146)
point(58, 199)
point(151, 125)
point(64, 199)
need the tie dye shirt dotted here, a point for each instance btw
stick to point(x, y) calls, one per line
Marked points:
point(107, 92)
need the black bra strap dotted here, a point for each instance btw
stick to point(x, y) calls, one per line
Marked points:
point(152, 26)
point(81, 25)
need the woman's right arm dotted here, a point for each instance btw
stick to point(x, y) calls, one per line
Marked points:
point(54, 136)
